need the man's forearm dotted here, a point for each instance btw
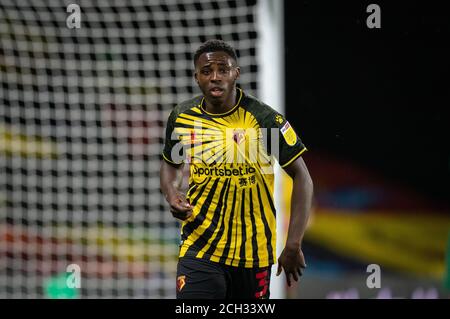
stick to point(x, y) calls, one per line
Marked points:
point(301, 200)
point(168, 177)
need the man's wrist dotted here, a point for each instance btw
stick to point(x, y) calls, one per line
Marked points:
point(294, 244)
point(171, 191)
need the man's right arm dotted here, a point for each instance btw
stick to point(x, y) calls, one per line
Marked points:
point(179, 206)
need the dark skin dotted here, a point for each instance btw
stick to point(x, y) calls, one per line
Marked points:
point(216, 74)
point(179, 206)
point(291, 259)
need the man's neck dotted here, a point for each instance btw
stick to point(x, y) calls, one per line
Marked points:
point(221, 108)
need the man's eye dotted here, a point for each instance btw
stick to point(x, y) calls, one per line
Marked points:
point(206, 72)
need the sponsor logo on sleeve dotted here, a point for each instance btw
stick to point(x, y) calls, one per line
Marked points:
point(288, 134)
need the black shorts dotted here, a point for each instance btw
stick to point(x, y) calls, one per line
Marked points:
point(203, 279)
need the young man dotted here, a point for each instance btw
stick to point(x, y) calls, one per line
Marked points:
point(229, 138)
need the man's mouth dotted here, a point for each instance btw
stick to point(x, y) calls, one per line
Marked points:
point(216, 91)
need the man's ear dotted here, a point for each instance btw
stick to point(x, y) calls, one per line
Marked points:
point(195, 77)
point(238, 73)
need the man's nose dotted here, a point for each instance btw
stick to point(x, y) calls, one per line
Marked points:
point(215, 76)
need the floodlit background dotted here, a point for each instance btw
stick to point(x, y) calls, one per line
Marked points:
point(82, 116)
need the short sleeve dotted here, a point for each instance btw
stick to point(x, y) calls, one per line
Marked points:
point(170, 141)
point(290, 146)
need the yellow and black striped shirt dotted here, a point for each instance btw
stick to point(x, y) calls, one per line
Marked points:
point(231, 182)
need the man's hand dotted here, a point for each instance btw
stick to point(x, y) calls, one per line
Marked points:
point(292, 259)
point(293, 263)
point(179, 206)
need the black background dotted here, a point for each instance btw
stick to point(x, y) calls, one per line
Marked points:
point(377, 97)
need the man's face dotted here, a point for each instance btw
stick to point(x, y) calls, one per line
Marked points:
point(216, 73)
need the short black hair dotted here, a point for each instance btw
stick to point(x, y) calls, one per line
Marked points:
point(215, 46)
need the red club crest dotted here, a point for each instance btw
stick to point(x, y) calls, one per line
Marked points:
point(181, 282)
point(239, 136)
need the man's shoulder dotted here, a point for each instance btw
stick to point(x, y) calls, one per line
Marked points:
point(187, 105)
point(259, 109)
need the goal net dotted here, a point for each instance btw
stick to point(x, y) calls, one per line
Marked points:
point(82, 115)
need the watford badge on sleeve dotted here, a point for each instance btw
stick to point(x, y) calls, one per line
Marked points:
point(278, 119)
point(289, 134)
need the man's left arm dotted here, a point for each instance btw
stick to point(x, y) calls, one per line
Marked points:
point(292, 259)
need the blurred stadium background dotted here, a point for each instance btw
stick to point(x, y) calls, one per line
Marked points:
point(82, 115)
point(372, 105)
